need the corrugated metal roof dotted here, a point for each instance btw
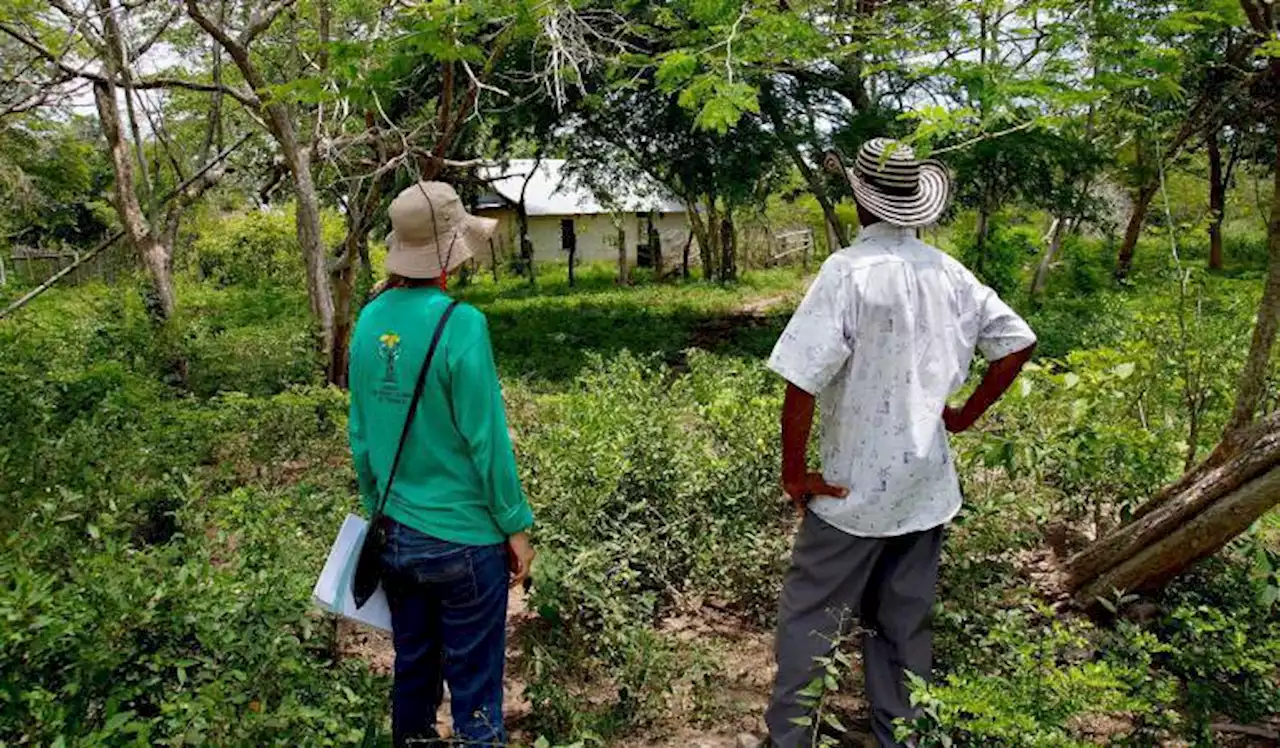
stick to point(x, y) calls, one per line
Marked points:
point(554, 192)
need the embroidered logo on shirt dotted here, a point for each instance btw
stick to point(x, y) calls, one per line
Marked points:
point(389, 352)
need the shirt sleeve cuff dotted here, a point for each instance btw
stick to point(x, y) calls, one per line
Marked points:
point(795, 375)
point(516, 519)
point(994, 350)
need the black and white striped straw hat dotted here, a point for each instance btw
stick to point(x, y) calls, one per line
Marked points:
point(890, 182)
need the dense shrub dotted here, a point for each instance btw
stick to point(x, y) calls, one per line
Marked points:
point(1223, 643)
point(181, 642)
point(156, 571)
point(1034, 682)
point(158, 539)
point(650, 490)
point(1000, 261)
point(1075, 322)
point(257, 246)
point(142, 605)
point(1089, 264)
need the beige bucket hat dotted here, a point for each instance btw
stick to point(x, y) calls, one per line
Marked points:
point(431, 232)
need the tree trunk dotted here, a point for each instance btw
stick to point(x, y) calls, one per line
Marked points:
point(522, 222)
point(1180, 502)
point(1202, 536)
point(835, 229)
point(1217, 199)
point(314, 256)
point(655, 245)
point(1056, 236)
point(698, 228)
point(684, 266)
point(153, 254)
point(1206, 106)
point(712, 251)
point(344, 284)
point(526, 245)
point(729, 249)
point(1138, 216)
point(983, 230)
point(624, 273)
point(1253, 378)
point(280, 123)
point(158, 258)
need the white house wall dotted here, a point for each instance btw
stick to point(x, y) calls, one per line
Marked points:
point(596, 234)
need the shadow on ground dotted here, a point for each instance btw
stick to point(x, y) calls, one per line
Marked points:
point(552, 343)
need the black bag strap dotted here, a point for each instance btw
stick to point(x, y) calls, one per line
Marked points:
point(413, 407)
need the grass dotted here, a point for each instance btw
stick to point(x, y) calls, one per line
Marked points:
point(545, 336)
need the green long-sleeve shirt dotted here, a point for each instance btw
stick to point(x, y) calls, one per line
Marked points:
point(457, 479)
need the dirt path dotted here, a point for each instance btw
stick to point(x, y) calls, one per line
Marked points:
point(751, 313)
point(740, 687)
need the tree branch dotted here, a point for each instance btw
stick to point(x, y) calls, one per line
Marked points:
point(151, 82)
point(150, 42)
point(260, 20)
point(246, 98)
point(238, 51)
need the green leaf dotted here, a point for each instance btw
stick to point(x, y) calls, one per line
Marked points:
point(802, 721)
point(118, 720)
point(834, 723)
point(726, 106)
point(1124, 371)
point(1070, 380)
point(675, 70)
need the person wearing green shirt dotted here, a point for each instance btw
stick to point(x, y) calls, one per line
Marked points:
point(456, 517)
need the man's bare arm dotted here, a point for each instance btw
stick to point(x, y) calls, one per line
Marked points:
point(999, 377)
point(797, 423)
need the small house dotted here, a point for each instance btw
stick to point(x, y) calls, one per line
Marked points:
point(565, 213)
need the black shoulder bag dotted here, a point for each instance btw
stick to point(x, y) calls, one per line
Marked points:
point(369, 566)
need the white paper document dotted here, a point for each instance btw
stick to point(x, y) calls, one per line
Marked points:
point(333, 589)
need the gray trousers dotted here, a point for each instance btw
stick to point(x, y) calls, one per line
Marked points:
point(835, 577)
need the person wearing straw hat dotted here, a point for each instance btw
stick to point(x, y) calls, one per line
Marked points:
point(883, 338)
point(436, 457)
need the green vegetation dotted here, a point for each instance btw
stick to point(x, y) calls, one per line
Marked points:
point(161, 540)
point(172, 432)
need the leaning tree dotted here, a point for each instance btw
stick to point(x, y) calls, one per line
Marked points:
point(1240, 481)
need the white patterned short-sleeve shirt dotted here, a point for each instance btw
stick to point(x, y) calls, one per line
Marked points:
point(884, 336)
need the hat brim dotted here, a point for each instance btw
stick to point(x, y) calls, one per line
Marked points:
point(437, 258)
point(921, 208)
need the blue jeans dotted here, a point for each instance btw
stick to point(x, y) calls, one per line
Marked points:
point(449, 623)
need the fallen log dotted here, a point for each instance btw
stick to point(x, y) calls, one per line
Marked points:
point(1198, 538)
point(1184, 500)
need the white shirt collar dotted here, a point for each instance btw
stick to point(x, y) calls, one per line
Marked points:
point(884, 230)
